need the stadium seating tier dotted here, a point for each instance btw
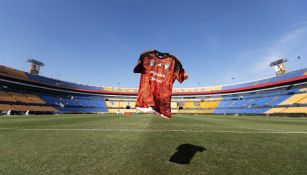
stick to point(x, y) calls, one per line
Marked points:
point(266, 101)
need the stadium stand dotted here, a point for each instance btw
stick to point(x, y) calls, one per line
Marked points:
point(60, 83)
point(295, 103)
point(75, 103)
point(13, 72)
point(199, 107)
point(5, 96)
point(22, 92)
point(288, 75)
point(5, 107)
point(20, 102)
point(116, 105)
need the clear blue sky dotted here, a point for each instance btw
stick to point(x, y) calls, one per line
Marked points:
point(98, 42)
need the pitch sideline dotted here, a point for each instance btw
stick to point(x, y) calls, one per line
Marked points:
point(155, 130)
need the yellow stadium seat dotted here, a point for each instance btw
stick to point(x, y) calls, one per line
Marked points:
point(294, 99)
point(303, 101)
point(174, 105)
point(35, 99)
point(296, 110)
point(276, 110)
point(13, 72)
point(20, 97)
point(214, 88)
point(20, 108)
point(4, 96)
point(5, 107)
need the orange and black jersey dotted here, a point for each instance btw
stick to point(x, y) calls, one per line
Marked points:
point(158, 72)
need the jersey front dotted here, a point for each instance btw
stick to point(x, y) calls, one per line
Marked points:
point(158, 72)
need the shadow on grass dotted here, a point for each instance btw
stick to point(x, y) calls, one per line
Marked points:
point(185, 153)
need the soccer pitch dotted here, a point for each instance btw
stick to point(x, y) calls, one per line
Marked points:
point(144, 144)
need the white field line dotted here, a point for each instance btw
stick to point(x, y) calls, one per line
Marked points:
point(209, 126)
point(156, 130)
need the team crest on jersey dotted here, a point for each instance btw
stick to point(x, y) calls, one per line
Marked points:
point(151, 63)
point(166, 66)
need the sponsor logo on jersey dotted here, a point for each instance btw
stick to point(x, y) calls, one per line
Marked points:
point(157, 74)
point(166, 66)
point(155, 79)
point(152, 63)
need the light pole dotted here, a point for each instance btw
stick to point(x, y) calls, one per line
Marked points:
point(301, 62)
point(118, 98)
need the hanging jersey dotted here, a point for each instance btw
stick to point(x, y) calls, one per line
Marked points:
point(158, 72)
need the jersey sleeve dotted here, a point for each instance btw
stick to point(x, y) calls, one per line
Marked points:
point(180, 73)
point(139, 65)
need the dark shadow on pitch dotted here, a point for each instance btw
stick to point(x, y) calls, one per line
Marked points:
point(185, 152)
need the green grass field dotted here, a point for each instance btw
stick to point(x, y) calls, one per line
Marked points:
point(143, 144)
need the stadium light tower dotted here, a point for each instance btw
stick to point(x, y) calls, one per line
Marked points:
point(301, 62)
point(279, 66)
point(118, 98)
point(35, 66)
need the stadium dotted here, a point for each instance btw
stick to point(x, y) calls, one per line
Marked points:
point(26, 93)
point(80, 127)
point(84, 89)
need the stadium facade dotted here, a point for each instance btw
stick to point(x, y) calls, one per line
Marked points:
point(22, 92)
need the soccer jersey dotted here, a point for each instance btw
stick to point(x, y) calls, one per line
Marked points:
point(158, 72)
